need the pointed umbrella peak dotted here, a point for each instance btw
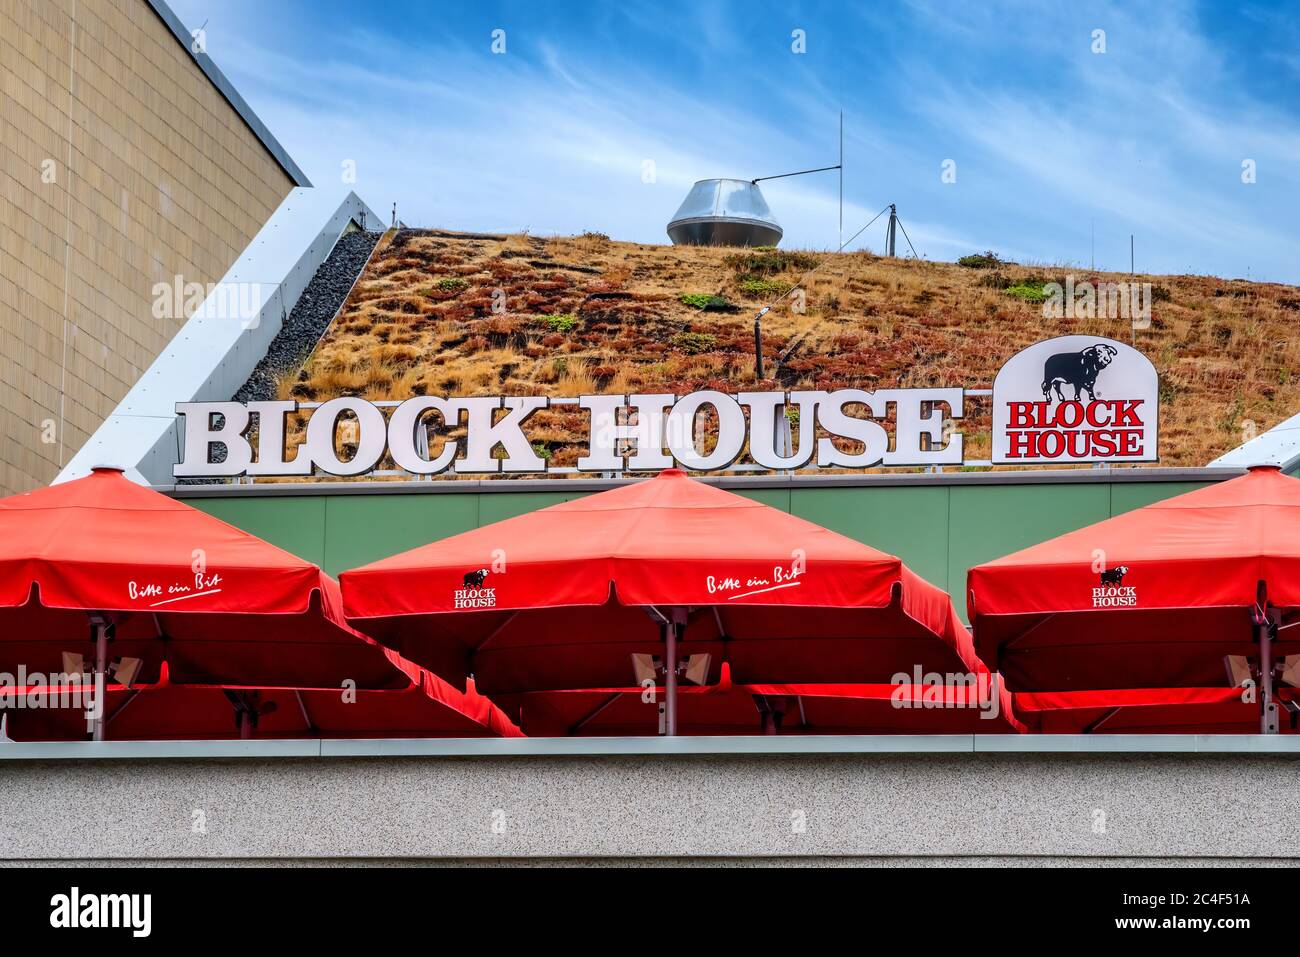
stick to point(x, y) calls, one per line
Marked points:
point(693, 527)
point(102, 488)
point(1261, 485)
point(172, 583)
point(105, 521)
point(1158, 596)
point(564, 597)
point(671, 488)
point(1257, 513)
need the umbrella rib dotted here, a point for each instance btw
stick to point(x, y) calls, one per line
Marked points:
point(122, 707)
point(1092, 728)
point(654, 613)
point(1006, 646)
point(596, 712)
point(496, 631)
point(717, 617)
point(302, 706)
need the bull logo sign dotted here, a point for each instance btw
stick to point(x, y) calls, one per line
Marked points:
point(1076, 399)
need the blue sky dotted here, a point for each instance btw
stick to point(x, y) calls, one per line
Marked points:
point(1052, 143)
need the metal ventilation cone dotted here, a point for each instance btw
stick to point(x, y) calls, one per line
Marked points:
point(724, 212)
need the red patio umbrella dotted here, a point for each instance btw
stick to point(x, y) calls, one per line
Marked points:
point(726, 709)
point(1143, 711)
point(1160, 597)
point(428, 707)
point(101, 561)
point(562, 598)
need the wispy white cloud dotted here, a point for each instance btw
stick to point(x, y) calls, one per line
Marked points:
point(1052, 142)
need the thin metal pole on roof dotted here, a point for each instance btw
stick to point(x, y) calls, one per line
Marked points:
point(841, 169)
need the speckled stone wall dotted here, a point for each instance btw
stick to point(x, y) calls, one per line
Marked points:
point(886, 808)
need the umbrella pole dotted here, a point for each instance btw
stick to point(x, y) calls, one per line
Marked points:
point(101, 676)
point(670, 675)
point(1268, 722)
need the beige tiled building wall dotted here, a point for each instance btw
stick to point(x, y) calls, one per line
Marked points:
point(121, 166)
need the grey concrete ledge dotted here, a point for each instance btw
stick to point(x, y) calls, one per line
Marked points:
point(892, 807)
point(791, 745)
point(792, 860)
point(740, 482)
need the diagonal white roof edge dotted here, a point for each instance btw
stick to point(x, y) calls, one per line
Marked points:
point(1278, 446)
point(221, 343)
point(227, 90)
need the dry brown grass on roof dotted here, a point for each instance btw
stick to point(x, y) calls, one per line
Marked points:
point(438, 313)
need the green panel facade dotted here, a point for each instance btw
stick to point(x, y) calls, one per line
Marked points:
point(910, 521)
point(364, 528)
point(495, 508)
point(774, 497)
point(989, 521)
point(1125, 498)
point(295, 523)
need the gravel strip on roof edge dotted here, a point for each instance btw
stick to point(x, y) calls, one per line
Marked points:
point(311, 316)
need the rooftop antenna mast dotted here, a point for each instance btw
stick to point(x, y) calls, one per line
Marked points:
point(839, 167)
point(891, 233)
point(822, 169)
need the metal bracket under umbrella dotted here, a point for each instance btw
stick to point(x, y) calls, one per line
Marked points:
point(672, 622)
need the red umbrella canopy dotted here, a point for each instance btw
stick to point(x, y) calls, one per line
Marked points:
point(220, 605)
point(562, 597)
point(1156, 597)
point(726, 709)
point(427, 708)
point(1143, 711)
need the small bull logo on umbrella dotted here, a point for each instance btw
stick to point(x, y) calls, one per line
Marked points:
point(476, 579)
point(1114, 576)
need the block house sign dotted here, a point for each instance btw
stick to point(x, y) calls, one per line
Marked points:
point(1098, 406)
point(1075, 399)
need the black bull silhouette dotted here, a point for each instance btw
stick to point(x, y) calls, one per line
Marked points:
point(1078, 369)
